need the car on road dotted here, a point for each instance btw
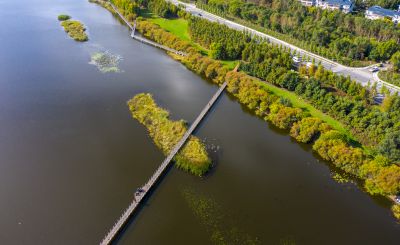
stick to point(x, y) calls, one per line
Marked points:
point(309, 64)
point(374, 69)
point(296, 59)
point(397, 199)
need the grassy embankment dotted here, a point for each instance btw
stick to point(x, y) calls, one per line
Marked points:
point(166, 134)
point(180, 28)
point(390, 77)
point(74, 28)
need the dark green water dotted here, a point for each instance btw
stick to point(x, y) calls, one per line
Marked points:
point(71, 157)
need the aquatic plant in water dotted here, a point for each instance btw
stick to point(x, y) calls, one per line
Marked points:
point(106, 61)
point(341, 178)
point(222, 229)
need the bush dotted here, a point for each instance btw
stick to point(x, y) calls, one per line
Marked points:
point(332, 146)
point(63, 17)
point(284, 117)
point(381, 178)
point(396, 211)
point(308, 129)
point(157, 34)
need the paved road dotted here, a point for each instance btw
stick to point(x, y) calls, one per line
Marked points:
point(361, 75)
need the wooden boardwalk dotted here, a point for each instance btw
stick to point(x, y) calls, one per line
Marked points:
point(144, 40)
point(157, 45)
point(142, 192)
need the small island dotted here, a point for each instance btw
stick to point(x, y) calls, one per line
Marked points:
point(166, 134)
point(63, 17)
point(74, 28)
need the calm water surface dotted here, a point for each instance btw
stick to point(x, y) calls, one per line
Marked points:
point(71, 157)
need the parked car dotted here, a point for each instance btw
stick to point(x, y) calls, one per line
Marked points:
point(374, 69)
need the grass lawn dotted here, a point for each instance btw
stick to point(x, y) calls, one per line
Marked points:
point(299, 102)
point(390, 77)
point(230, 64)
point(179, 27)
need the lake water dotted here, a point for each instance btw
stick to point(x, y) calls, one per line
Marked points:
point(71, 156)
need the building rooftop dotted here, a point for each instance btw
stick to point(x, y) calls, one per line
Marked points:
point(383, 12)
point(339, 2)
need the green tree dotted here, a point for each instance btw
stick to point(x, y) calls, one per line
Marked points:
point(217, 51)
point(396, 61)
point(390, 146)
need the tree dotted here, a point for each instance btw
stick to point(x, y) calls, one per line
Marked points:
point(396, 61)
point(308, 129)
point(217, 51)
point(390, 146)
point(283, 117)
point(387, 103)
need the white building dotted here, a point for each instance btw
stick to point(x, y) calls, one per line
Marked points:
point(345, 6)
point(377, 12)
point(308, 3)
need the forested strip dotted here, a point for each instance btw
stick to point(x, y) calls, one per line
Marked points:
point(338, 96)
point(335, 35)
point(381, 176)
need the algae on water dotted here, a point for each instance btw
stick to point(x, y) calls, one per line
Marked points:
point(223, 230)
point(106, 61)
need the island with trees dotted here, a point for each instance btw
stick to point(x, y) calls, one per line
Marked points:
point(75, 29)
point(166, 133)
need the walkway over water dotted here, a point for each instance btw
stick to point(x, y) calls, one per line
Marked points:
point(141, 194)
point(157, 45)
point(144, 40)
